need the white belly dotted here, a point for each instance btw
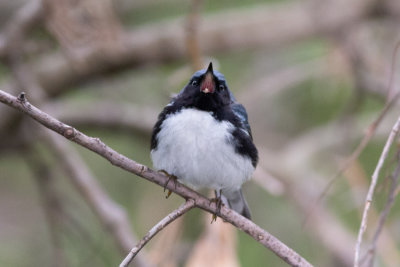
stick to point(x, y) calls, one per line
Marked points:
point(195, 147)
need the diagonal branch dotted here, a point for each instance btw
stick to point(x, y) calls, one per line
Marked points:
point(185, 207)
point(368, 200)
point(96, 145)
point(382, 218)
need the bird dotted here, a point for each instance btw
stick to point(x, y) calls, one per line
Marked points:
point(203, 138)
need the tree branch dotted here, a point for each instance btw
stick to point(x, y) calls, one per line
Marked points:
point(185, 207)
point(111, 215)
point(269, 25)
point(382, 218)
point(96, 145)
point(371, 189)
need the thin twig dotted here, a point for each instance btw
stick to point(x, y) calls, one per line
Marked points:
point(185, 207)
point(96, 145)
point(382, 219)
point(371, 190)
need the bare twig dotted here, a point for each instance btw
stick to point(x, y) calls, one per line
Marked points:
point(96, 145)
point(371, 189)
point(185, 207)
point(382, 219)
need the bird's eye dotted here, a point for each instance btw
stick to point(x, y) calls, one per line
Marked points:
point(194, 82)
point(221, 87)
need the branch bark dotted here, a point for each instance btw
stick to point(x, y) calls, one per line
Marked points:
point(369, 257)
point(96, 145)
point(371, 190)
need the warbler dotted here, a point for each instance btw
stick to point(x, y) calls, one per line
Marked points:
point(203, 138)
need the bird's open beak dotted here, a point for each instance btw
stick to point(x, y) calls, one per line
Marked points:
point(208, 83)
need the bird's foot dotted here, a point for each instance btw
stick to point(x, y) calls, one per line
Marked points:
point(170, 177)
point(218, 202)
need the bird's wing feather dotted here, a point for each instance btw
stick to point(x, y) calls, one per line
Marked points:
point(240, 112)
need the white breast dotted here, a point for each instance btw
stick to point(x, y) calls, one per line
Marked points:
point(195, 147)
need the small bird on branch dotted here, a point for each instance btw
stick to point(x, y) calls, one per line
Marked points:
point(203, 139)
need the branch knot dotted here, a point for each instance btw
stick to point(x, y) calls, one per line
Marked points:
point(69, 133)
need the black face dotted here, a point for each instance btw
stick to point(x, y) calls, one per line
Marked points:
point(206, 90)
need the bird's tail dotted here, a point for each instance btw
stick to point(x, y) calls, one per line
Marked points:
point(237, 202)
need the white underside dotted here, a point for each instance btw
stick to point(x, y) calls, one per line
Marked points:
point(195, 147)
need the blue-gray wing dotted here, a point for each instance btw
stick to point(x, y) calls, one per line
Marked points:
point(240, 112)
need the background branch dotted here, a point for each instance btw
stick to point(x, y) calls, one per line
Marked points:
point(166, 41)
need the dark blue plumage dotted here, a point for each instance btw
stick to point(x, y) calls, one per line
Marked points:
point(204, 138)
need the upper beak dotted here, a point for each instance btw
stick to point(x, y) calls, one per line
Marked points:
point(208, 84)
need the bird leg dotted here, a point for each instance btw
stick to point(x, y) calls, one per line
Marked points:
point(170, 177)
point(218, 202)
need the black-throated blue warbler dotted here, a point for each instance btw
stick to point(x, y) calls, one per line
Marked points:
point(203, 138)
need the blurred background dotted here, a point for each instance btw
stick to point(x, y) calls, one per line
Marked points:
point(313, 75)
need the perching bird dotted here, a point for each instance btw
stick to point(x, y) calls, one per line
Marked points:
point(203, 138)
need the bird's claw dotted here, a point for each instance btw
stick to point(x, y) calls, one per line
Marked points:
point(170, 177)
point(218, 202)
